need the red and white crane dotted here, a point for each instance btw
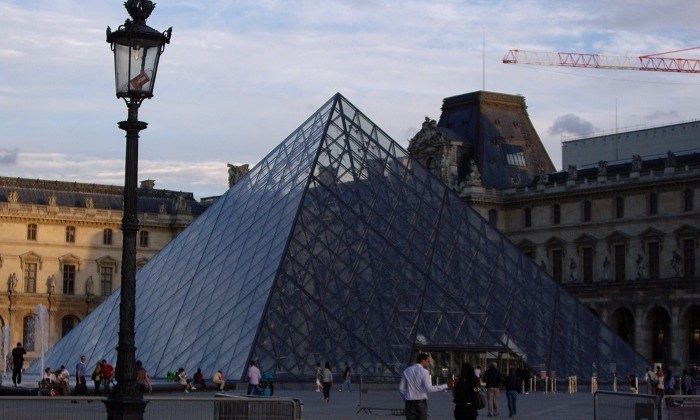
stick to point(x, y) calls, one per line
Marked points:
point(650, 62)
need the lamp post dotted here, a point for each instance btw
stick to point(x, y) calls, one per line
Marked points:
point(137, 48)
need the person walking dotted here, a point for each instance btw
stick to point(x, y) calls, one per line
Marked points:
point(464, 389)
point(493, 380)
point(143, 379)
point(346, 378)
point(107, 374)
point(17, 363)
point(253, 379)
point(327, 382)
point(414, 388)
point(512, 385)
point(319, 371)
point(80, 382)
point(97, 378)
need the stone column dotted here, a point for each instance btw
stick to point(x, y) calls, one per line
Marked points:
point(677, 337)
point(641, 336)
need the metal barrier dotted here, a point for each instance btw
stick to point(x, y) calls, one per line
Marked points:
point(681, 407)
point(619, 405)
point(221, 407)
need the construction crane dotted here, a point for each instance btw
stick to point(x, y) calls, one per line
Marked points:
point(650, 62)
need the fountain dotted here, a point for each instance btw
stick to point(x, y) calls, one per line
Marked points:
point(5, 347)
point(42, 315)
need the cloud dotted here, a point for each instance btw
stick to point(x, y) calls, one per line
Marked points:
point(662, 116)
point(570, 124)
point(8, 156)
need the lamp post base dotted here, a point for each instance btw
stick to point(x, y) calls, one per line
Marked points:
point(125, 408)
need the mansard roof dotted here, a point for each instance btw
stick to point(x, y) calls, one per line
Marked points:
point(77, 194)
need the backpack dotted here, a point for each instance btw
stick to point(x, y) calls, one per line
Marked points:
point(478, 400)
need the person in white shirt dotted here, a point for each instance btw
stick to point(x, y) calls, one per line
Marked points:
point(414, 387)
point(253, 379)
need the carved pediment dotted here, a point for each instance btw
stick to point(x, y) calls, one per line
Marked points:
point(30, 257)
point(428, 136)
point(651, 234)
point(70, 259)
point(107, 261)
point(586, 240)
point(555, 242)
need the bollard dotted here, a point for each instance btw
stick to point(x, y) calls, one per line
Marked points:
point(594, 385)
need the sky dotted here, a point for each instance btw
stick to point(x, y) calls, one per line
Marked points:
point(239, 76)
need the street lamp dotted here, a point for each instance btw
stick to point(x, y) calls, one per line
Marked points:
point(137, 48)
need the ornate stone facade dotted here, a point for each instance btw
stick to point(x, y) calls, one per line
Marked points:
point(621, 237)
point(60, 246)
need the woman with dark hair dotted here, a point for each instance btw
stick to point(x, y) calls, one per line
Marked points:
point(464, 389)
point(327, 382)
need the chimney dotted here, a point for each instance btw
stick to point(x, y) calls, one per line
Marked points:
point(148, 184)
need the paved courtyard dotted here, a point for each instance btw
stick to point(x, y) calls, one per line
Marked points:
point(347, 405)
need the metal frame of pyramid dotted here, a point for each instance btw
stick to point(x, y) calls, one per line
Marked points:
point(338, 246)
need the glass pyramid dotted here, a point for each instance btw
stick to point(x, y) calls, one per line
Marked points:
point(338, 246)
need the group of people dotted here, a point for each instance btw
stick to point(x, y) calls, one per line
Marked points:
point(259, 383)
point(324, 380)
point(466, 389)
point(59, 381)
point(197, 382)
point(663, 382)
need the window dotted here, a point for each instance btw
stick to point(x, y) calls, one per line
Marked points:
point(515, 155)
point(67, 324)
point(70, 234)
point(653, 204)
point(528, 217)
point(28, 328)
point(587, 264)
point(587, 211)
point(619, 207)
point(688, 258)
point(516, 159)
point(493, 217)
point(694, 333)
point(106, 274)
point(30, 277)
point(556, 214)
point(688, 200)
point(68, 279)
point(620, 274)
point(143, 239)
point(653, 257)
point(557, 265)
point(31, 232)
point(107, 237)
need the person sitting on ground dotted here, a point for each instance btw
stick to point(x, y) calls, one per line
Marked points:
point(199, 380)
point(219, 380)
point(184, 381)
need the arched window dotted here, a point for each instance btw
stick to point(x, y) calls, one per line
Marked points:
point(653, 204)
point(493, 217)
point(619, 207)
point(694, 334)
point(143, 239)
point(623, 323)
point(107, 237)
point(587, 211)
point(67, 324)
point(688, 200)
point(528, 217)
point(31, 232)
point(70, 234)
point(660, 323)
point(28, 329)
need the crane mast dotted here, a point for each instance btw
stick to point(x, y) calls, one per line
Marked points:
point(651, 62)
